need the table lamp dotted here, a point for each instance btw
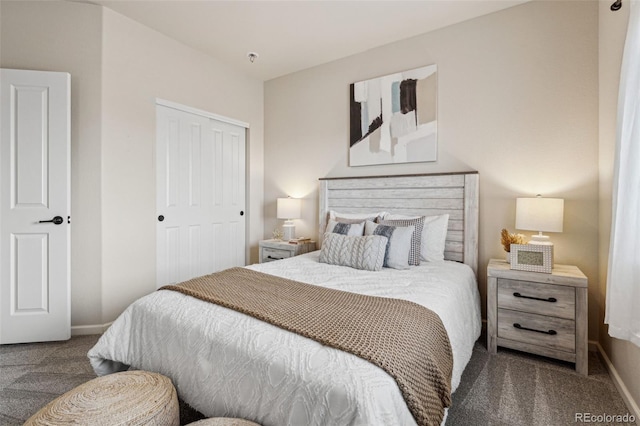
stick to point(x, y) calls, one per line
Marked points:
point(288, 209)
point(540, 214)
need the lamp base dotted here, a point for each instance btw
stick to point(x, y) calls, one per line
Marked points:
point(542, 240)
point(288, 231)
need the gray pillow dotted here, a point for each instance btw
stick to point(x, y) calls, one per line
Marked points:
point(398, 244)
point(349, 228)
point(356, 252)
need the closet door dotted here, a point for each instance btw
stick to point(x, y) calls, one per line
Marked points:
point(200, 195)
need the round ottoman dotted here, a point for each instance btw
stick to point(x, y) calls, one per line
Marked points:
point(223, 421)
point(126, 398)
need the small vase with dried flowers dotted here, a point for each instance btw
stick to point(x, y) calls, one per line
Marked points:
point(507, 238)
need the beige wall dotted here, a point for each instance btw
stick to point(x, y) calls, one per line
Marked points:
point(612, 31)
point(139, 65)
point(50, 36)
point(517, 101)
point(118, 67)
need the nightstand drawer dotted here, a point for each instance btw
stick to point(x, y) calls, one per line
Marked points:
point(271, 254)
point(550, 332)
point(537, 298)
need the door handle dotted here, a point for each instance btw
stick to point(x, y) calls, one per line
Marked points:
point(56, 220)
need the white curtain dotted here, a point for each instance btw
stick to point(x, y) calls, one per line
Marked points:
point(623, 281)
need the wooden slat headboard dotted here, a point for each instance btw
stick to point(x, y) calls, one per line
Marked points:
point(419, 195)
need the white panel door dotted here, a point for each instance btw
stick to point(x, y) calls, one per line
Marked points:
point(227, 195)
point(34, 206)
point(200, 166)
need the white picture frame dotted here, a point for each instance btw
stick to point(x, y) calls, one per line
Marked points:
point(532, 257)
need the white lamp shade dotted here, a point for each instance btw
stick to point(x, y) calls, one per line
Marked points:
point(288, 208)
point(539, 214)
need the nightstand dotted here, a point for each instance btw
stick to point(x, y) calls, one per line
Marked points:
point(271, 250)
point(544, 314)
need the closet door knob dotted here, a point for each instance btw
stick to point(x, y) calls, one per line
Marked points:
point(241, 213)
point(160, 218)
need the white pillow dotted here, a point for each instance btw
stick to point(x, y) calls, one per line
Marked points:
point(334, 215)
point(398, 246)
point(351, 229)
point(356, 252)
point(434, 235)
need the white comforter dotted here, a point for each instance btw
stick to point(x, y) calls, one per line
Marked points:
point(224, 363)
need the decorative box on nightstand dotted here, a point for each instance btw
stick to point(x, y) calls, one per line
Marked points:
point(271, 250)
point(544, 314)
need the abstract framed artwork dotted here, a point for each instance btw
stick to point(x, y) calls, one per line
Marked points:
point(394, 118)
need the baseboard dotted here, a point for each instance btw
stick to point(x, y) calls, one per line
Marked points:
point(632, 405)
point(84, 330)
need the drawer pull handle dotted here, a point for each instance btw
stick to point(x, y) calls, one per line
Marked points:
point(549, 332)
point(550, 299)
point(275, 258)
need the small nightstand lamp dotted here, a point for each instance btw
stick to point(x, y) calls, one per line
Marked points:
point(288, 209)
point(540, 214)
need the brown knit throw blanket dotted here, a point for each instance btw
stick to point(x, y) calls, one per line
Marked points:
point(405, 339)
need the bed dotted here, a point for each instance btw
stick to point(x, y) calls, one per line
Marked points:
point(225, 363)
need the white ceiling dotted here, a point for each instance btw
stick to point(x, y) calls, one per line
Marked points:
point(295, 35)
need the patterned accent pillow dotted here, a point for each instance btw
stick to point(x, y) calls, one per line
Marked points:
point(353, 229)
point(398, 244)
point(365, 253)
point(416, 238)
point(342, 228)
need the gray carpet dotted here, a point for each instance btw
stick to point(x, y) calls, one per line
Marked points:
point(514, 388)
point(31, 375)
point(510, 388)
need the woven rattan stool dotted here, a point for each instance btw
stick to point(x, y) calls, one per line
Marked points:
point(223, 421)
point(126, 398)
